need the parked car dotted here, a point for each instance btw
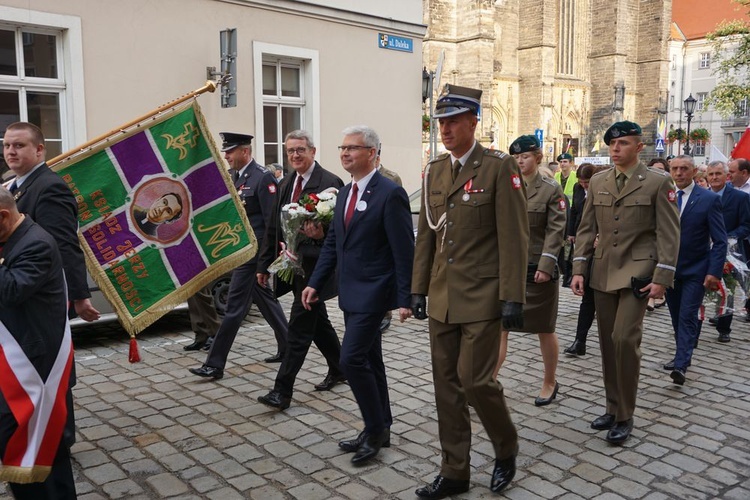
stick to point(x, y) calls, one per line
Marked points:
point(415, 202)
point(219, 290)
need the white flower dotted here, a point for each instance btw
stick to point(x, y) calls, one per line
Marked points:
point(323, 208)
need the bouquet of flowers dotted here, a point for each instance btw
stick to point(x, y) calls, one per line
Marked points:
point(316, 207)
point(733, 286)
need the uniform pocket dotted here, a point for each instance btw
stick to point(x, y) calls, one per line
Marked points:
point(477, 211)
point(638, 209)
point(537, 214)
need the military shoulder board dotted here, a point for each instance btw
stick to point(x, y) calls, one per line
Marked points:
point(494, 152)
point(439, 157)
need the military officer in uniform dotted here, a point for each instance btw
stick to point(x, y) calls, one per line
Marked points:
point(257, 189)
point(546, 211)
point(470, 259)
point(633, 211)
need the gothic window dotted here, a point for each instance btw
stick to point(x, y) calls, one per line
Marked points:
point(566, 40)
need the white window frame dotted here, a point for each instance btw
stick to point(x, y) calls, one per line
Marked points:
point(700, 105)
point(70, 79)
point(310, 89)
point(705, 60)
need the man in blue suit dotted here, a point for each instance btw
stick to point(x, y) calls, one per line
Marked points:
point(736, 210)
point(701, 233)
point(371, 240)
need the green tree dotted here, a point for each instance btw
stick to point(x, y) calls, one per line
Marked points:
point(731, 46)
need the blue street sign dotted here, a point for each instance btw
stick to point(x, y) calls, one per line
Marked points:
point(659, 148)
point(539, 133)
point(395, 43)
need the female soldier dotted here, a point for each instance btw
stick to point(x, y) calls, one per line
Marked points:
point(546, 208)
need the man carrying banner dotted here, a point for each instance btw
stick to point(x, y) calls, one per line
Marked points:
point(35, 359)
point(257, 189)
point(305, 327)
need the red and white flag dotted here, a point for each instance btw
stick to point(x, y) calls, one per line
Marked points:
point(38, 407)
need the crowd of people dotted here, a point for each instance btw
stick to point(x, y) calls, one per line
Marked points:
point(499, 238)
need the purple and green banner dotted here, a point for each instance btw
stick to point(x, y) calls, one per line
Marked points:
point(158, 215)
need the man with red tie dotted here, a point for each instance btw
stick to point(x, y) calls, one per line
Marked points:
point(305, 326)
point(371, 240)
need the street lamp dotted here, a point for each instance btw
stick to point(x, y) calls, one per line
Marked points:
point(689, 110)
point(428, 79)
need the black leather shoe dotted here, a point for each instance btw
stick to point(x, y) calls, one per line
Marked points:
point(678, 376)
point(620, 432)
point(208, 372)
point(194, 346)
point(353, 445)
point(577, 349)
point(540, 401)
point(724, 337)
point(713, 321)
point(274, 399)
point(330, 382)
point(386, 322)
point(606, 421)
point(443, 487)
point(208, 344)
point(670, 366)
point(370, 447)
point(503, 474)
point(276, 358)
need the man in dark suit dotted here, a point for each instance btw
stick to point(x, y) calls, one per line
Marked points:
point(735, 206)
point(257, 189)
point(33, 319)
point(371, 240)
point(305, 326)
point(701, 233)
point(45, 197)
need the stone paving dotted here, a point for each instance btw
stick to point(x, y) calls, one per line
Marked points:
point(152, 430)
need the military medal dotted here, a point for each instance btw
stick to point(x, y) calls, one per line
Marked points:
point(468, 190)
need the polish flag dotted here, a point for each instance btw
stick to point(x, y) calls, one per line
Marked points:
point(742, 148)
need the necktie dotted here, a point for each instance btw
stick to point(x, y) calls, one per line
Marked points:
point(350, 207)
point(235, 176)
point(297, 189)
point(620, 180)
point(456, 169)
point(13, 188)
point(679, 200)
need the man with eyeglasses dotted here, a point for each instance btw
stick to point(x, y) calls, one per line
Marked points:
point(257, 189)
point(371, 243)
point(305, 327)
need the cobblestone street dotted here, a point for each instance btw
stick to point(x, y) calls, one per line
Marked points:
point(152, 430)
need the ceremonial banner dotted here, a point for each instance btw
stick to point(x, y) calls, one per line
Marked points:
point(159, 217)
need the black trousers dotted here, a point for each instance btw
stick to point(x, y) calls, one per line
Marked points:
point(243, 291)
point(306, 327)
point(59, 485)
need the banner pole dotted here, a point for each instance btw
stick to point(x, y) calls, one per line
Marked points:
point(210, 86)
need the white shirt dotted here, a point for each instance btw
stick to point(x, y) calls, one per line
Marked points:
point(686, 196)
point(745, 188)
point(361, 186)
point(305, 177)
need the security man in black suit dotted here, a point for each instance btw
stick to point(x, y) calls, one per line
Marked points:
point(33, 309)
point(305, 326)
point(45, 197)
point(257, 189)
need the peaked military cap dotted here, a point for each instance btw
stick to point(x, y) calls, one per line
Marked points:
point(230, 140)
point(565, 156)
point(524, 144)
point(621, 129)
point(455, 100)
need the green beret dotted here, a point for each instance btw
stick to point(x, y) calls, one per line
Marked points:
point(565, 156)
point(524, 144)
point(621, 129)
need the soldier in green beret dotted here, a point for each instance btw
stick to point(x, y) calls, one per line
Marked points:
point(566, 176)
point(633, 212)
point(546, 214)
